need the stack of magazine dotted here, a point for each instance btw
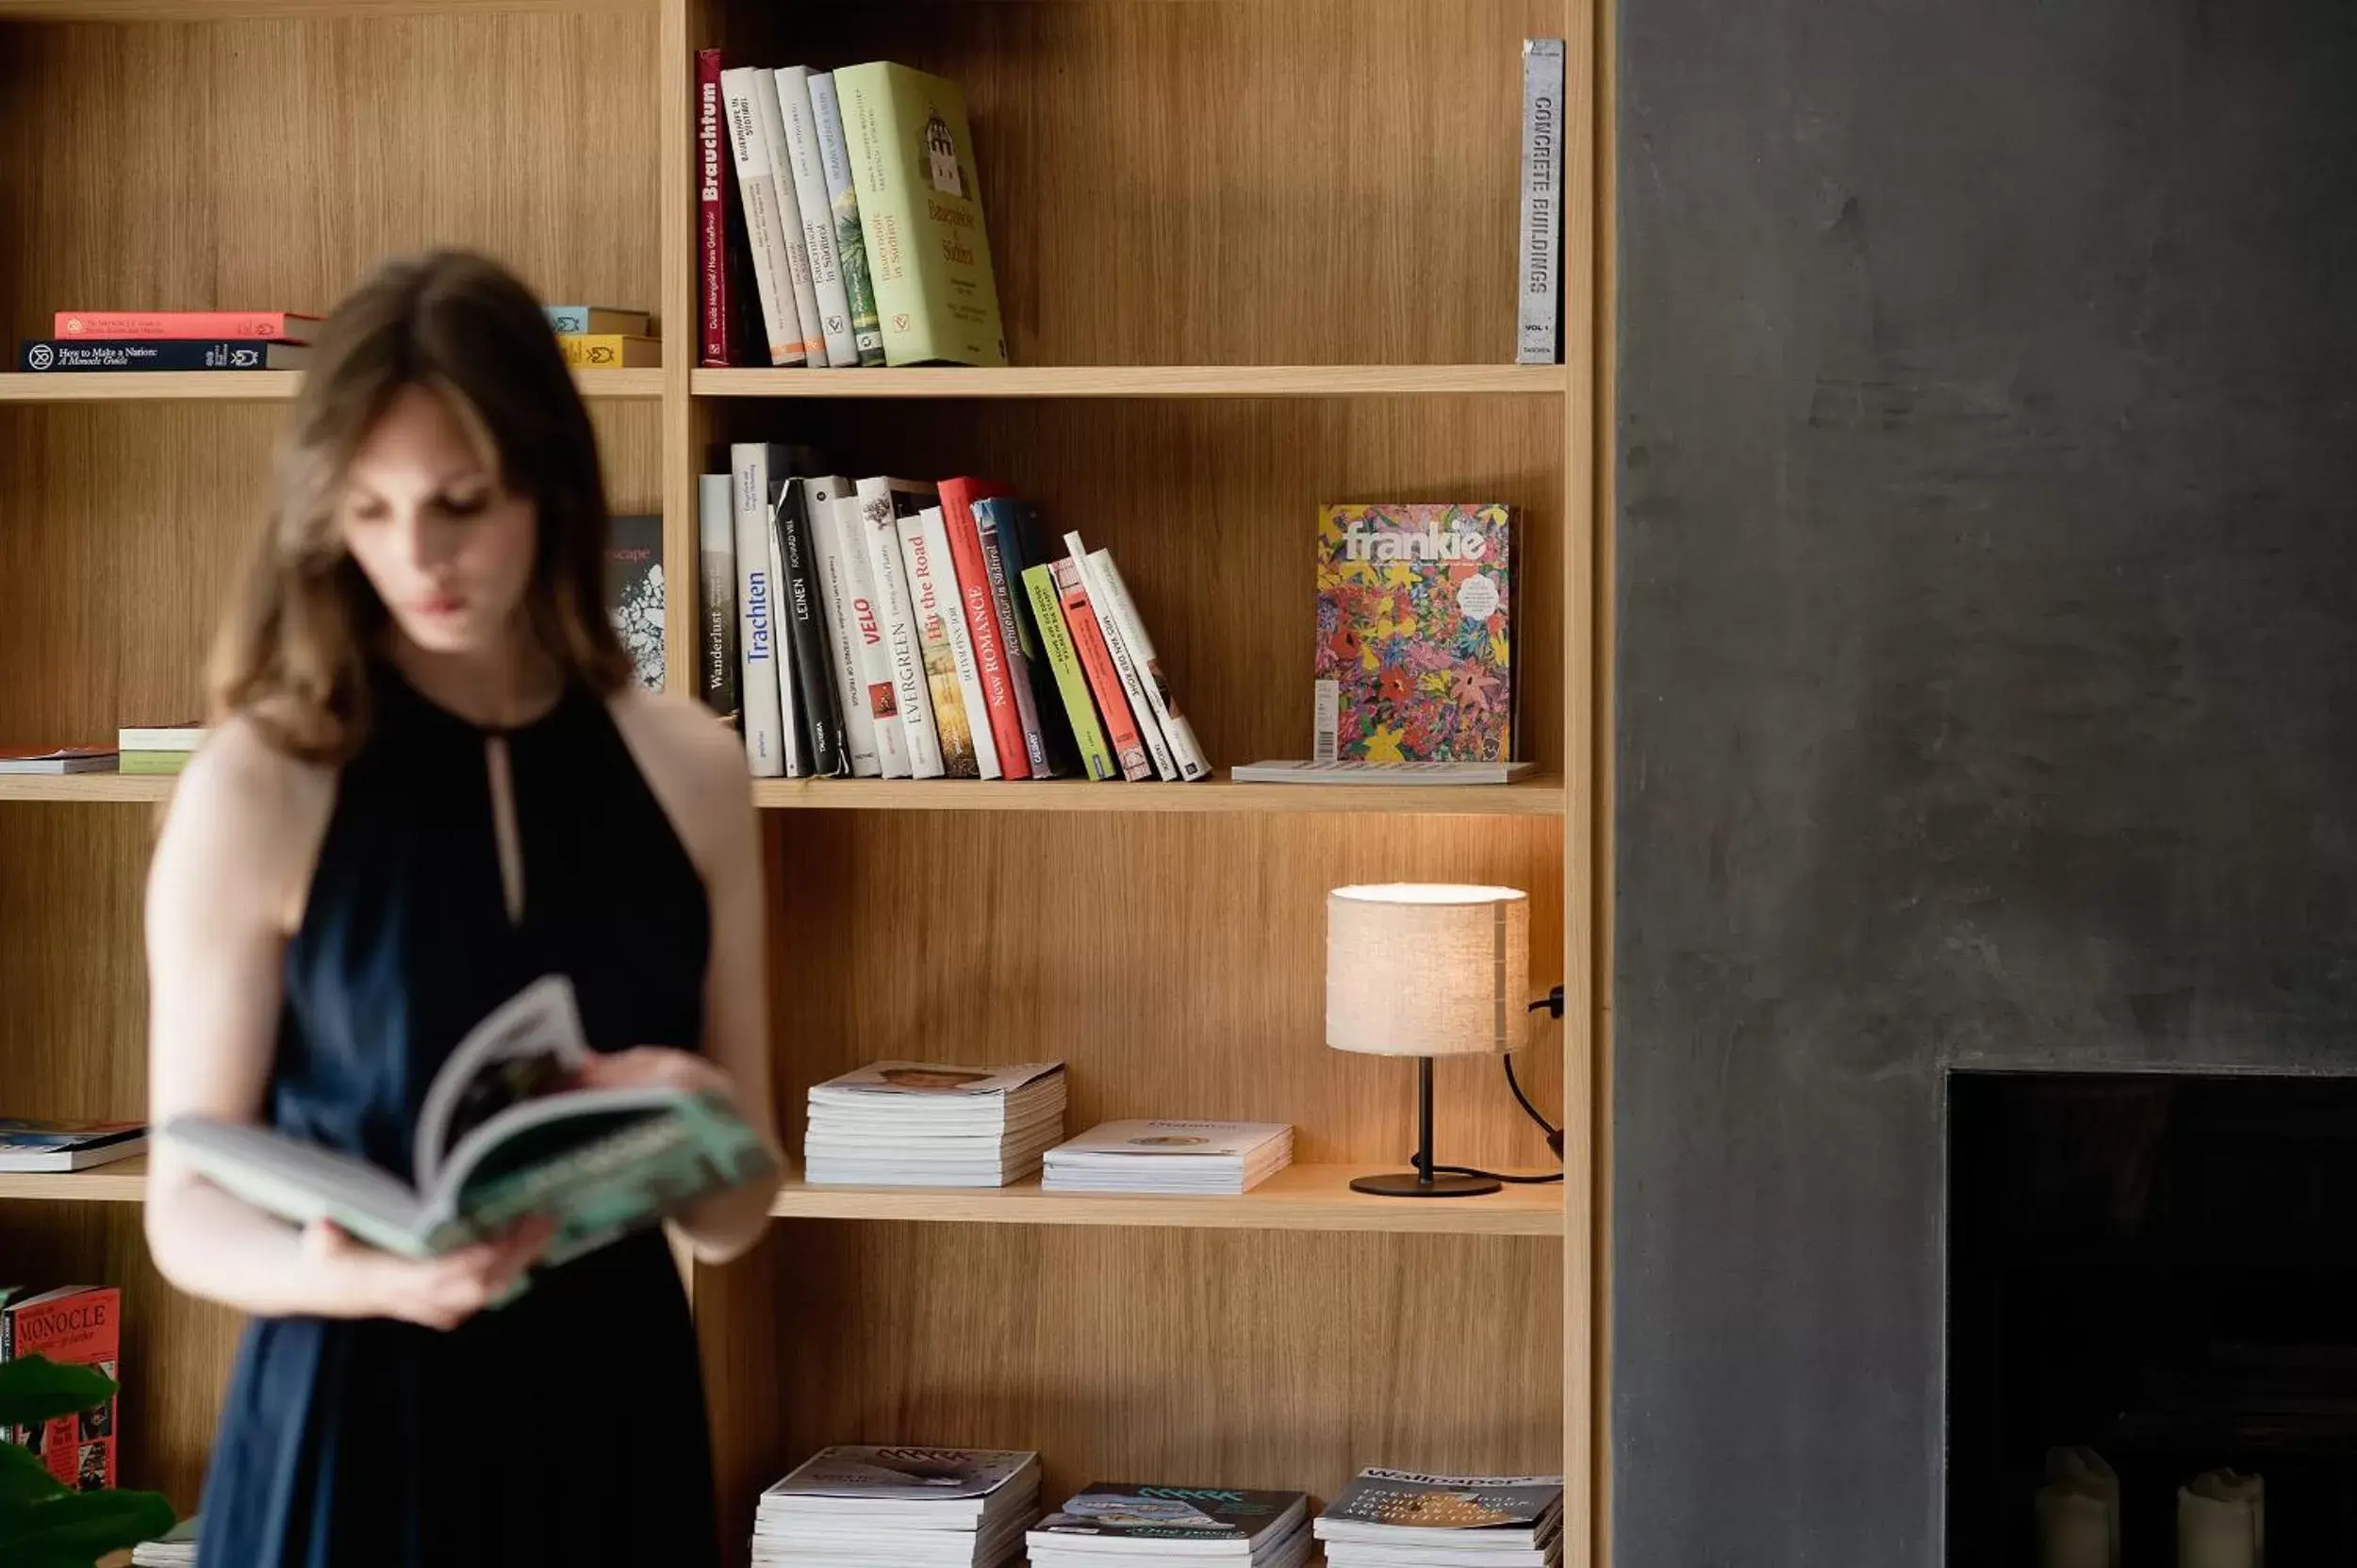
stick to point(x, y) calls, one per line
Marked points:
point(1400, 1519)
point(922, 1123)
point(174, 1548)
point(1204, 1158)
point(898, 1508)
point(1123, 1523)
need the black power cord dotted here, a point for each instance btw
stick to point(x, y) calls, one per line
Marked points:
point(1552, 1003)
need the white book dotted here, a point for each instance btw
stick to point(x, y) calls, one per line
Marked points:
point(836, 609)
point(1539, 284)
point(765, 235)
point(718, 674)
point(1125, 662)
point(793, 246)
point(871, 659)
point(818, 214)
point(1110, 592)
point(879, 529)
point(850, 240)
point(756, 600)
point(945, 573)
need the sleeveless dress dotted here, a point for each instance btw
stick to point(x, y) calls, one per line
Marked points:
point(568, 1426)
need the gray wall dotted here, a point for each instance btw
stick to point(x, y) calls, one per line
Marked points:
point(1987, 668)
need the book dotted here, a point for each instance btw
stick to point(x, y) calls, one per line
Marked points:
point(1361, 771)
point(1414, 659)
point(1213, 1158)
point(1127, 1521)
point(1539, 281)
point(500, 1135)
point(920, 208)
point(882, 505)
point(28, 1144)
point(757, 629)
point(1064, 662)
point(74, 1326)
point(994, 679)
point(795, 280)
point(634, 592)
point(150, 762)
point(715, 198)
point(160, 354)
point(932, 603)
point(174, 1548)
point(57, 759)
point(1408, 1519)
point(598, 321)
point(1186, 751)
point(850, 242)
point(816, 213)
point(765, 231)
point(1125, 665)
point(277, 326)
point(1008, 527)
point(610, 351)
point(805, 625)
point(841, 603)
point(719, 675)
point(898, 1507)
point(161, 737)
point(935, 1125)
point(1097, 663)
point(961, 637)
point(876, 688)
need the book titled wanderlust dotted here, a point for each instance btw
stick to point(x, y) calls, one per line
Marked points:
point(501, 1135)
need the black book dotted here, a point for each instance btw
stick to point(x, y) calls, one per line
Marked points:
point(1019, 544)
point(820, 709)
point(160, 354)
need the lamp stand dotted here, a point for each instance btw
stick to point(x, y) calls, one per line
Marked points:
point(1424, 1182)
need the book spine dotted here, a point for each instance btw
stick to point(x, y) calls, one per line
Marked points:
point(990, 527)
point(1096, 758)
point(880, 531)
point(764, 236)
point(716, 548)
point(1126, 665)
point(1079, 620)
point(814, 682)
point(871, 659)
point(850, 244)
point(793, 721)
point(607, 351)
point(712, 216)
point(575, 319)
point(159, 354)
point(764, 742)
point(932, 609)
point(818, 214)
point(259, 326)
point(948, 581)
point(1112, 596)
point(832, 569)
point(1537, 331)
point(794, 249)
point(981, 621)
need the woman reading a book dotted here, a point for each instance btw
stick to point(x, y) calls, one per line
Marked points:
point(433, 780)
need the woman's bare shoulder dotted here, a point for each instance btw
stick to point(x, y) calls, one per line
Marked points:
point(694, 765)
point(246, 811)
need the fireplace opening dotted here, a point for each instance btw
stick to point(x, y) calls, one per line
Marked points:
point(2152, 1321)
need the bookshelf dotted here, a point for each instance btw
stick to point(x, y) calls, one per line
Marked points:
point(1220, 321)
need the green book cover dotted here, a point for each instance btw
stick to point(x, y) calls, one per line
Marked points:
point(1048, 610)
point(920, 208)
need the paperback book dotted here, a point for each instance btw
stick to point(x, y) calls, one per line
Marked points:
point(1129, 1523)
point(634, 592)
point(1203, 1158)
point(160, 354)
point(29, 1144)
point(1406, 1519)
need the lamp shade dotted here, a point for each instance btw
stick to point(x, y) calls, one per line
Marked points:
point(1426, 970)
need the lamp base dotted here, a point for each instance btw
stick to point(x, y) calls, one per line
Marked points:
point(1406, 1183)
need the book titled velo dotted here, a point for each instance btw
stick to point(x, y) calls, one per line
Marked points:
point(502, 1135)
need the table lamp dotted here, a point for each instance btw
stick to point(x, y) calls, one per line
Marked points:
point(1426, 970)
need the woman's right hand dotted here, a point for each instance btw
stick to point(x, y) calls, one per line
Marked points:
point(437, 1293)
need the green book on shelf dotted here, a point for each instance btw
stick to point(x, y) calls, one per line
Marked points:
point(920, 208)
point(151, 762)
point(1071, 681)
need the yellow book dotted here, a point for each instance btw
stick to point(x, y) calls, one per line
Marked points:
point(610, 351)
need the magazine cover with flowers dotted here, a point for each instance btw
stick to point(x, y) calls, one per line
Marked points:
point(1416, 632)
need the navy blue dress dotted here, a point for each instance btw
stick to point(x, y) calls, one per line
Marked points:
point(567, 1427)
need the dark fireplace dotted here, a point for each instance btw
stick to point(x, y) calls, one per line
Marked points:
point(2161, 1268)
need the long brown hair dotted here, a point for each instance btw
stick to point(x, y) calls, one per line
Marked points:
point(292, 654)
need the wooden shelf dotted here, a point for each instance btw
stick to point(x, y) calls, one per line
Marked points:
point(123, 1182)
point(222, 11)
point(1140, 381)
point(244, 386)
point(1299, 1197)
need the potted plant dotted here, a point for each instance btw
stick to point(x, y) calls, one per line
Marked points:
point(44, 1522)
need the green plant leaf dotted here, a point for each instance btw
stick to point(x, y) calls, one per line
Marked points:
point(23, 1481)
point(79, 1528)
point(35, 1389)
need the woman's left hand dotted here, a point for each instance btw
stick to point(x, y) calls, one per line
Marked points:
point(655, 1068)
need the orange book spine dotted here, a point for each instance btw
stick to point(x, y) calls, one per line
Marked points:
point(277, 326)
point(1079, 615)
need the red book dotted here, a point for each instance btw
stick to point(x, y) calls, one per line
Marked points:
point(958, 497)
point(79, 1326)
point(276, 326)
point(713, 193)
point(1096, 660)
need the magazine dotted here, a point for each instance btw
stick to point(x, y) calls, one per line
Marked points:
point(28, 1144)
point(900, 1486)
point(1499, 1512)
point(501, 1136)
point(1174, 1522)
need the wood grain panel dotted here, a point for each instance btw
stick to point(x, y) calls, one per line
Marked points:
point(72, 1032)
point(1227, 181)
point(1212, 509)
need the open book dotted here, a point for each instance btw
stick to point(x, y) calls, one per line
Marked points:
point(500, 1136)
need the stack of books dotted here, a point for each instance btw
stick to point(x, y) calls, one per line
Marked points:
point(172, 340)
point(922, 1123)
point(59, 759)
point(157, 748)
point(852, 199)
point(898, 1508)
point(1203, 1159)
point(174, 1548)
point(1401, 1519)
point(900, 628)
point(1123, 1523)
point(30, 1144)
point(600, 338)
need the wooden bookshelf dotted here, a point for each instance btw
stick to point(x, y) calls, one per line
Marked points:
point(1219, 322)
